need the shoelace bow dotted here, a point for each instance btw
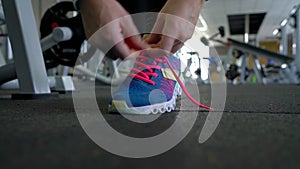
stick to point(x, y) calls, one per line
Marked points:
point(146, 76)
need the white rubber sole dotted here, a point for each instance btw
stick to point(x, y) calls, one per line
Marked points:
point(166, 107)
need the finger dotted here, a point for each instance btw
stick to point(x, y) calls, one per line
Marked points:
point(121, 50)
point(112, 55)
point(153, 38)
point(107, 37)
point(166, 43)
point(159, 24)
point(177, 45)
point(156, 31)
point(130, 31)
point(136, 42)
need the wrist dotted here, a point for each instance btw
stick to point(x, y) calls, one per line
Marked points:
point(88, 4)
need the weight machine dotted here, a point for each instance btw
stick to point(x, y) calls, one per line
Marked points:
point(29, 65)
point(243, 50)
point(289, 66)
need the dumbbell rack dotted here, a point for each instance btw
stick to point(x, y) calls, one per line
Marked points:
point(28, 58)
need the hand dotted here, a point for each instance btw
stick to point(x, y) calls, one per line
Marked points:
point(175, 24)
point(107, 24)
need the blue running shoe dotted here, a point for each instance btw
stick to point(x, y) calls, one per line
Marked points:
point(152, 87)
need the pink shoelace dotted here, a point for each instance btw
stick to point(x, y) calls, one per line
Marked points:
point(146, 76)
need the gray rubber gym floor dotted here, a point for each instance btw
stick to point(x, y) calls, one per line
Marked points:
point(260, 129)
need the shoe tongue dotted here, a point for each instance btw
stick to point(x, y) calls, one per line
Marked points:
point(149, 61)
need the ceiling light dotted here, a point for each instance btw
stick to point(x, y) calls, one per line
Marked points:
point(284, 66)
point(275, 32)
point(295, 9)
point(284, 22)
point(246, 38)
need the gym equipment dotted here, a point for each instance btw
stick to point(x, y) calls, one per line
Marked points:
point(258, 52)
point(293, 21)
point(297, 23)
point(107, 71)
point(28, 60)
point(63, 14)
point(288, 70)
point(58, 35)
point(191, 61)
point(247, 48)
point(237, 54)
point(194, 67)
point(59, 84)
point(232, 73)
point(29, 66)
point(221, 32)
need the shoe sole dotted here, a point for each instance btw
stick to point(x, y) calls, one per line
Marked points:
point(119, 106)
